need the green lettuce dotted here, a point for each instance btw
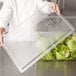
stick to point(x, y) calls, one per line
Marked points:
point(63, 51)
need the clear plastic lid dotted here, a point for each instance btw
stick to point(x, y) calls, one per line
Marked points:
point(27, 44)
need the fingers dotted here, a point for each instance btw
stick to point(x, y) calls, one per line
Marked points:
point(1, 35)
point(55, 8)
point(1, 40)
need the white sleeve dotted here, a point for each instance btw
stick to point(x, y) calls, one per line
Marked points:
point(44, 6)
point(5, 14)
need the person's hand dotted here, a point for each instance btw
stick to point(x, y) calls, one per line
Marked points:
point(1, 36)
point(1, 39)
point(54, 7)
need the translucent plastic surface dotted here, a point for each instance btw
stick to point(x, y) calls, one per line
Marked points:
point(26, 47)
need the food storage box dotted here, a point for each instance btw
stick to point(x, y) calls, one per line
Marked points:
point(26, 47)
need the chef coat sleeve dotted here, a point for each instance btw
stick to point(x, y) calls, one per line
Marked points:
point(5, 14)
point(44, 6)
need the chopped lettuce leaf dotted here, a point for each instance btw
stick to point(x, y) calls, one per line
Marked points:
point(71, 44)
point(59, 56)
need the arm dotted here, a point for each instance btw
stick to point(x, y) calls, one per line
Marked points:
point(5, 15)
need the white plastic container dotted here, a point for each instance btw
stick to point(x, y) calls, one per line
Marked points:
point(28, 49)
